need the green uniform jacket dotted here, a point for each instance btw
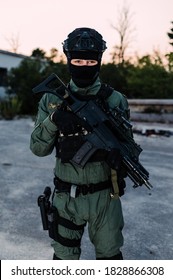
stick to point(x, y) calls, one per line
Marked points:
point(44, 135)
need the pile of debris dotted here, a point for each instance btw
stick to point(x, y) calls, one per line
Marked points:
point(152, 132)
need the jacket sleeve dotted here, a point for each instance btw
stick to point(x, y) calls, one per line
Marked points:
point(45, 131)
point(120, 100)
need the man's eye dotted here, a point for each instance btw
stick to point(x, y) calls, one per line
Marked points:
point(92, 62)
point(79, 61)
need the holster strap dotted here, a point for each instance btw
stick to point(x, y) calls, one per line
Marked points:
point(67, 242)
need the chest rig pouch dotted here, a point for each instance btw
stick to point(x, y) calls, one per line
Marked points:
point(69, 142)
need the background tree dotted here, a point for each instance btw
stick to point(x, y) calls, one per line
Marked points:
point(38, 53)
point(170, 35)
point(169, 56)
point(115, 76)
point(53, 55)
point(14, 42)
point(124, 29)
point(21, 81)
point(30, 73)
point(149, 79)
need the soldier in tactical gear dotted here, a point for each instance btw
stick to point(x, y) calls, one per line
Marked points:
point(88, 195)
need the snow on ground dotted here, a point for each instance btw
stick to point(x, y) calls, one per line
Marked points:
point(148, 230)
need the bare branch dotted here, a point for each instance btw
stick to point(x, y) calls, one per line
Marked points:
point(13, 41)
point(124, 29)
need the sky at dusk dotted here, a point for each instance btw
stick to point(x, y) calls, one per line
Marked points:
point(46, 23)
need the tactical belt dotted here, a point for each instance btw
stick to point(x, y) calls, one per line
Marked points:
point(74, 189)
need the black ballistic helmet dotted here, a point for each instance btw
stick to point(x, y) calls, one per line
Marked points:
point(84, 40)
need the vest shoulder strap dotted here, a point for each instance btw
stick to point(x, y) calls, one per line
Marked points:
point(60, 90)
point(105, 91)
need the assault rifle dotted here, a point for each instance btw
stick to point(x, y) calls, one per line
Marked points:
point(107, 130)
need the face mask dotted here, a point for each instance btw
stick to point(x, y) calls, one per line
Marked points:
point(84, 76)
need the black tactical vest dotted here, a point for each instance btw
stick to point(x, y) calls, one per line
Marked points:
point(67, 145)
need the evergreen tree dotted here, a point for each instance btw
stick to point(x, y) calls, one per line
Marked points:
point(170, 35)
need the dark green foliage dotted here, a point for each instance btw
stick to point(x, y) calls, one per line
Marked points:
point(170, 35)
point(9, 108)
point(148, 78)
point(21, 81)
point(113, 75)
point(38, 53)
point(29, 74)
point(150, 81)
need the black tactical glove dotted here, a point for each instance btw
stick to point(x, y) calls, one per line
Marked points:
point(114, 159)
point(66, 121)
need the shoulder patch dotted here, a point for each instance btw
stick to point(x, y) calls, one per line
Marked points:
point(54, 105)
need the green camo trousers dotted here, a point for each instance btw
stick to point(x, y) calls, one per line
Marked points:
point(105, 223)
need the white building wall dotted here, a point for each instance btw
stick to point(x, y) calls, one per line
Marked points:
point(9, 61)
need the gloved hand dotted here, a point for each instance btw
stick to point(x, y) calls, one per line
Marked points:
point(114, 159)
point(66, 121)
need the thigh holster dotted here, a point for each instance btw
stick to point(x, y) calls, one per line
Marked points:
point(54, 220)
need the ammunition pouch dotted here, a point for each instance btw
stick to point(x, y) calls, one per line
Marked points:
point(67, 148)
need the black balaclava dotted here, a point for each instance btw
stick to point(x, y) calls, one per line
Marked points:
point(84, 76)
